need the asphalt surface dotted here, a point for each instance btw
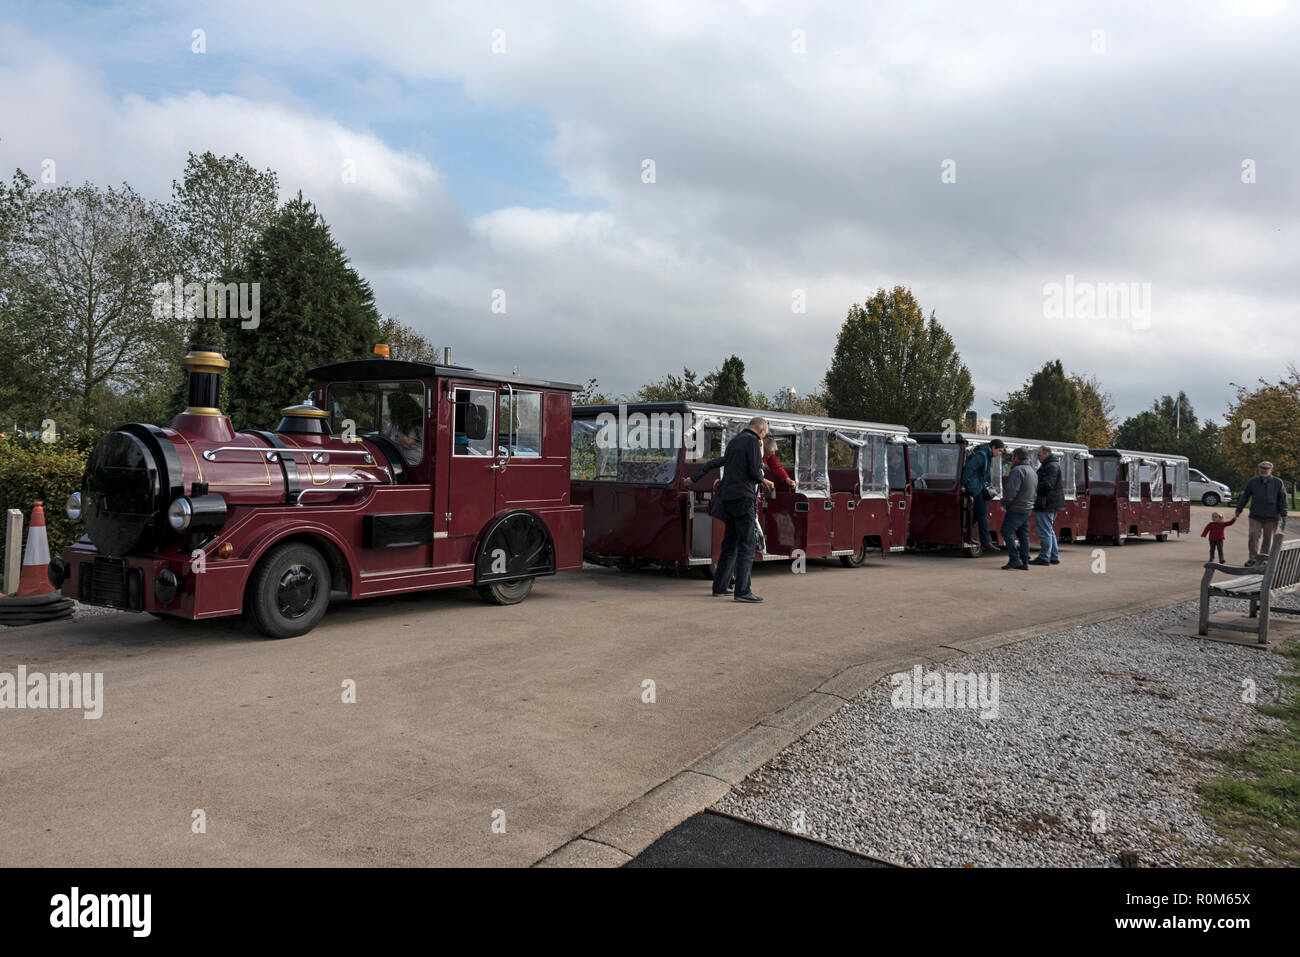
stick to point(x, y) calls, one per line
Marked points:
point(480, 735)
point(716, 840)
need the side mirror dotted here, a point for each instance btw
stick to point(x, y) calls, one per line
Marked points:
point(476, 423)
point(473, 421)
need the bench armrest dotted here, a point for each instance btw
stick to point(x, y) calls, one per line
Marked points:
point(1236, 569)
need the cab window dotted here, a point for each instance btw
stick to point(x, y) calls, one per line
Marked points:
point(474, 432)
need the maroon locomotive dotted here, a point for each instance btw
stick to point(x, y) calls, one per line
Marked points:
point(392, 477)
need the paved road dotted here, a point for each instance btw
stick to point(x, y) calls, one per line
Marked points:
point(464, 709)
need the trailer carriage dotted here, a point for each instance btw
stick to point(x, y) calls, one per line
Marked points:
point(630, 462)
point(943, 516)
point(1138, 493)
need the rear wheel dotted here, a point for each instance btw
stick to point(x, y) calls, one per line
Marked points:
point(506, 593)
point(1211, 499)
point(289, 591)
point(1162, 537)
point(972, 551)
point(1117, 539)
point(705, 571)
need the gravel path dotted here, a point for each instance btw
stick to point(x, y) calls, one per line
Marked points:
point(1101, 734)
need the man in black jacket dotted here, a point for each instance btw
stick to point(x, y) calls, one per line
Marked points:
point(1049, 500)
point(1266, 495)
point(736, 503)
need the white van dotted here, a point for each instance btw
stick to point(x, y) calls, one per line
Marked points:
point(1208, 491)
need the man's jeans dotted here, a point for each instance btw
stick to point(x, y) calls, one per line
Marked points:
point(981, 506)
point(1015, 532)
point(1045, 526)
point(737, 552)
point(1264, 528)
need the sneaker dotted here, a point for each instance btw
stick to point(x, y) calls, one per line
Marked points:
point(748, 596)
point(1056, 561)
point(1012, 565)
point(1040, 561)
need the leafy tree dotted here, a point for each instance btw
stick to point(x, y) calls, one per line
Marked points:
point(685, 388)
point(1097, 409)
point(731, 388)
point(28, 360)
point(893, 365)
point(788, 400)
point(1047, 407)
point(94, 255)
point(219, 209)
point(315, 309)
point(406, 344)
point(590, 394)
point(1264, 424)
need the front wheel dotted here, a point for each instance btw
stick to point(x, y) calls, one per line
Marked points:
point(1211, 499)
point(506, 593)
point(972, 551)
point(1117, 539)
point(1162, 537)
point(289, 591)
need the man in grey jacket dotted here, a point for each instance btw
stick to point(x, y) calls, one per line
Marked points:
point(1266, 495)
point(1018, 491)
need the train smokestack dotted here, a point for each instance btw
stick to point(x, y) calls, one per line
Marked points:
point(205, 364)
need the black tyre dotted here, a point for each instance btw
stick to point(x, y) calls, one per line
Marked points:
point(1162, 537)
point(1211, 499)
point(506, 593)
point(289, 591)
point(856, 560)
point(1117, 539)
point(972, 551)
point(705, 571)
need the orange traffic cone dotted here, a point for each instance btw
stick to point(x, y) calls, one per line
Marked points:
point(34, 580)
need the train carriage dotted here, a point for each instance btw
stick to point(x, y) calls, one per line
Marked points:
point(942, 516)
point(630, 463)
point(393, 477)
point(1139, 493)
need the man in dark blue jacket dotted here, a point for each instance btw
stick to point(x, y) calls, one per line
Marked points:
point(975, 477)
point(736, 503)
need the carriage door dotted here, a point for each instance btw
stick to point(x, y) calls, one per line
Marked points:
point(473, 465)
point(900, 493)
point(701, 531)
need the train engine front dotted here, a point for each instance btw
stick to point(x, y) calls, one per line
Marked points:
point(179, 520)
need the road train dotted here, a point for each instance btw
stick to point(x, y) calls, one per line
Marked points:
point(396, 476)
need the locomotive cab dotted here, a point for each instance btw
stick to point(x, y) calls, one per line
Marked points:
point(391, 477)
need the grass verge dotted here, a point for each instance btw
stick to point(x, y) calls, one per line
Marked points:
point(1255, 806)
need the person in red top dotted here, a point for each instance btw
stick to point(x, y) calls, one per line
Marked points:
point(774, 469)
point(1215, 529)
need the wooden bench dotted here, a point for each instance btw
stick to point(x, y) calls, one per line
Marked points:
point(1281, 574)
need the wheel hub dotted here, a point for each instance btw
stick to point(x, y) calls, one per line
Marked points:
point(296, 591)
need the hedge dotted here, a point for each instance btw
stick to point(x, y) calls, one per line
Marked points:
point(31, 471)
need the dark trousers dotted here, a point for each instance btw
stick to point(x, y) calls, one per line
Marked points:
point(1015, 532)
point(981, 506)
point(1219, 546)
point(737, 554)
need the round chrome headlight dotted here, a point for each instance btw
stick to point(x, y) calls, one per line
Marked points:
point(73, 506)
point(179, 514)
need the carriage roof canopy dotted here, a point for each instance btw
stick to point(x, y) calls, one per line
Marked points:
point(372, 369)
point(706, 410)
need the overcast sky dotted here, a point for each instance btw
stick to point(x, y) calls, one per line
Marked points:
point(798, 149)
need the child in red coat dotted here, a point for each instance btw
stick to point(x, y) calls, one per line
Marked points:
point(1215, 529)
